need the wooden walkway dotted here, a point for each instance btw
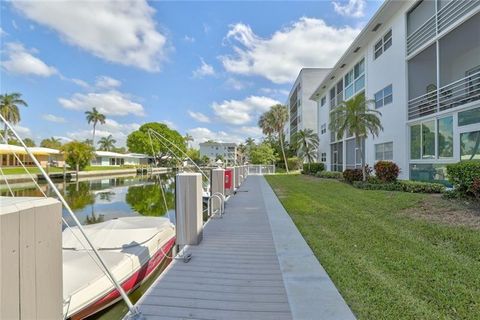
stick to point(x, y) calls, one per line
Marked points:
point(233, 274)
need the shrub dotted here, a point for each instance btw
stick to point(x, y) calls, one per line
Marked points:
point(387, 171)
point(351, 175)
point(463, 174)
point(313, 168)
point(330, 175)
point(475, 188)
point(294, 163)
point(403, 185)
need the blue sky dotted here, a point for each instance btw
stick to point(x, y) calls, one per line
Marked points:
point(206, 68)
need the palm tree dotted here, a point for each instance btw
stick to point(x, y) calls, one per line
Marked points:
point(272, 122)
point(107, 143)
point(188, 138)
point(306, 143)
point(53, 143)
point(9, 104)
point(356, 117)
point(250, 142)
point(94, 117)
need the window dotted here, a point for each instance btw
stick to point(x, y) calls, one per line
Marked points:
point(323, 128)
point(384, 151)
point(471, 116)
point(383, 44)
point(415, 140)
point(423, 137)
point(428, 140)
point(323, 157)
point(323, 101)
point(355, 80)
point(469, 145)
point(383, 97)
point(445, 137)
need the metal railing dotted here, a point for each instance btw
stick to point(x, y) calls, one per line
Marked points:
point(421, 35)
point(454, 94)
point(261, 169)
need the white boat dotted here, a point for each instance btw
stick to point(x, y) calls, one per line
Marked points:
point(132, 247)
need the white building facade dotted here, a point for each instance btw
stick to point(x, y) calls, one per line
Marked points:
point(108, 158)
point(213, 150)
point(420, 63)
point(302, 112)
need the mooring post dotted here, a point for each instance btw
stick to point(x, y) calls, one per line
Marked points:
point(31, 282)
point(237, 177)
point(217, 186)
point(188, 208)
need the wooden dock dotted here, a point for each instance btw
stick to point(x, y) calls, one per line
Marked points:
point(237, 272)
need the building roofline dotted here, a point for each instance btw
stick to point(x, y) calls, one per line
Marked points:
point(361, 36)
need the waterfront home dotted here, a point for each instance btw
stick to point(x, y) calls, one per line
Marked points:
point(45, 156)
point(420, 63)
point(108, 158)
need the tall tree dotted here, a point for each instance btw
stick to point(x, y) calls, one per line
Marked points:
point(94, 117)
point(29, 142)
point(356, 116)
point(53, 143)
point(9, 109)
point(306, 143)
point(272, 122)
point(107, 143)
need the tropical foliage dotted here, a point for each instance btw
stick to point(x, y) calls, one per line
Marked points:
point(355, 116)
point(107, 143)
point(272, 123)
point(52, 143)
point(9, 109)
point(306, 143)
point(139, 141)
point(262, 154)
point(77, 154)
point(94, 117)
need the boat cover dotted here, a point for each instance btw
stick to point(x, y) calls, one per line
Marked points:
point(116, 234)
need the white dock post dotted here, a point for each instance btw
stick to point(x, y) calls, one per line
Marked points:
point(229, 191)
point(188, 208)
point(217, 186)
point(31, 280)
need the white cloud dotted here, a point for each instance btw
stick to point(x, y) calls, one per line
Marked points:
point(279, 92)
point(21, 61)
point(189, 39)
point(200, 117)
point(111, 103)
point(236, 84)
point(23, 132)
point(53, 118)
point(308, 42)
point(203, 134)
point(252, 131)
point(204, 69)
point(80, 83)
point(350, 8)
point(169, 123)
point(107, 82)
point(242, 111)
point(123, 32)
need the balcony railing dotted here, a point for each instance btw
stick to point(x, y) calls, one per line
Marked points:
point(420, 36)
point(450, 96)
point(336, 100)
point(453, 11)
point(446, 16)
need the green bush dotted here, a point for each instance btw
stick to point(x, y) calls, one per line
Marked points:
point(387, 171)
point(351, 175)
point(463, 174)
point(313, 168)
point(294, 163)
point(330, 175)
point(402, 185)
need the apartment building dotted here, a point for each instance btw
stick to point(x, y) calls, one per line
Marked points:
point(302, 112)
point(419, 61)
point(228, 151)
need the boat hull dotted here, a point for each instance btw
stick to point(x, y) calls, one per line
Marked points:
point(130, 284)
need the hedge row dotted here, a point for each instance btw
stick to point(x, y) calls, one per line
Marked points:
point(402, 185)
point(313, 168)
point(465, 176)
point(330, 175)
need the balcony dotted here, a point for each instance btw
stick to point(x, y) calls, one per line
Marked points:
point(423, 23)
point(458, 79)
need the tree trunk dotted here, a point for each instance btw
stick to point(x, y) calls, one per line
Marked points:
point(5, 133)
point(77, 167)
point(93, 138)
point(283, 150)
point(359, 143)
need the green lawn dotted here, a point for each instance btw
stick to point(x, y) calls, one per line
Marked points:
point(33, 170)
point(386, 262)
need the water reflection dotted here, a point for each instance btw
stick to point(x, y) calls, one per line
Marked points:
point(95, 201)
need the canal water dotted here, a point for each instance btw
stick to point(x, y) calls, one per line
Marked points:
point(103, 199)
